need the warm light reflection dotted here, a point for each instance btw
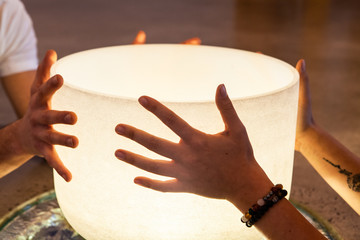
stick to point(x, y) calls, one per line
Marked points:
point(102, 87)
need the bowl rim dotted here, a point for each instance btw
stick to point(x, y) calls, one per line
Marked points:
point(74, 87)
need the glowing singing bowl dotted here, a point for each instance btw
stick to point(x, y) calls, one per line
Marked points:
point(102, 86)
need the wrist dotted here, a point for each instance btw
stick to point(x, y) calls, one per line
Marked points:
point(12, 153)
point(250, 189)
point(16, 138)
point(302, 137)
point(262, 205)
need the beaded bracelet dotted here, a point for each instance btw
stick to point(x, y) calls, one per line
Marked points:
point(263, 204)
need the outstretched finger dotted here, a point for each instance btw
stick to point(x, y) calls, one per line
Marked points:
point(226, 108)
point(49, 117)
point(140, 38)
point(179, 126)
point(158, 145)
point(43, 70)
point(160, 167)
point(192, 41)
point(54, 161)
point(47, 90)
point(304, 79)
point(53, 137)
point(172, 185)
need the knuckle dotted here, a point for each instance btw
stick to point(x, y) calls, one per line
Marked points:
point(41, 148)
point(241, 131)
point(33, 120)
point(50, 162)
point(130, 133)
point(152, 107)
point(170, 119)
point(130, 159)
point(47, 136)
point(158, 188)
point(200, 143)
point(51, 137)
point(154, 143)
point(154, 168)
point(186, 174)
point(45, 118)
point(227, 106)
point(41, 93)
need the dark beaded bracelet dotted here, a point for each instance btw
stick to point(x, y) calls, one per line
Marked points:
point(263, 204)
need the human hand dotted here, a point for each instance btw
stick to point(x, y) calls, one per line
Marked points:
point(304, 118)
point(217, 166)
point(141, 39)
point(37, 134)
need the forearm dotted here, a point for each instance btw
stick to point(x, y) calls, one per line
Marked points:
point(339, 167)
point(12, 155)
point(17, 87)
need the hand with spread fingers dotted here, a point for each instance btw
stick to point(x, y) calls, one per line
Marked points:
point(217, 166)
point(33, 134)
point(220, 166)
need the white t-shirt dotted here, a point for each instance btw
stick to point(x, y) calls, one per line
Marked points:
point(18, 50)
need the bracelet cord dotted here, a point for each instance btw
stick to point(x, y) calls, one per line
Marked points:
point(263, 205)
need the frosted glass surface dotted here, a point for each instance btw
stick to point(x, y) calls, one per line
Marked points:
point(102, 87)
point(174, 72)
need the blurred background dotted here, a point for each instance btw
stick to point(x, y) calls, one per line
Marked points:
point(326, 33)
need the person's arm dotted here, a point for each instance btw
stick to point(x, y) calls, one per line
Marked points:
point(17, 87)
point(18, 59)
point(33, 134)
point(339, 167)
point(216, 166)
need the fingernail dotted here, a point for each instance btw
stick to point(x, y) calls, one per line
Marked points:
point(142, 183)
point(223, 92)
point(143, 101)
point(55, 80)
point(120, 129)
point(70, 142)
point(138, 181)
point(63, 175)
point(68, 118)
point(120, 154)
point(303, 65)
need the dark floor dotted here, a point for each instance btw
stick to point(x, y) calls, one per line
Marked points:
point(326, 33)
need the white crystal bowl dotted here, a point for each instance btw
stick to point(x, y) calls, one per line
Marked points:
point(102, 87)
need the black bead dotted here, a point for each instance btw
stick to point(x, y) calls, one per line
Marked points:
point(251, 212)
